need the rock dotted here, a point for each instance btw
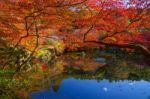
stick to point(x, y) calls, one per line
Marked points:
point(76, 67)
point(100, 59)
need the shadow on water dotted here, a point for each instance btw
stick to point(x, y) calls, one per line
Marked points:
point(83, 76)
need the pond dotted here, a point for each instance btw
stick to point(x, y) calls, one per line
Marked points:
point(72, 88)
point(86, 78)
point(83, 76)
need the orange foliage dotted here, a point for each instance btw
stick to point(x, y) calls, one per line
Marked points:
point(114, 21)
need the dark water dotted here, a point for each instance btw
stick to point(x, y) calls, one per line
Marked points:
point(72, 88)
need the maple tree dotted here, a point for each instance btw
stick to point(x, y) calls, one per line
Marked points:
point(121, 25)
point(78, 23)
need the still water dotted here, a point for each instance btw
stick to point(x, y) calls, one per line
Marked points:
point(72, 88)
point(113, 80)
point(82, 77)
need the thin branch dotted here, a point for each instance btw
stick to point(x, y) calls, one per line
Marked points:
point(36, 46)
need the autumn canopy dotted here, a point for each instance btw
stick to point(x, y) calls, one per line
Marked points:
point(78, 23)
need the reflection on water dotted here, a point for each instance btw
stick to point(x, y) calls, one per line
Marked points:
point(86, 79)
point(71, 88)
point(82, 77)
